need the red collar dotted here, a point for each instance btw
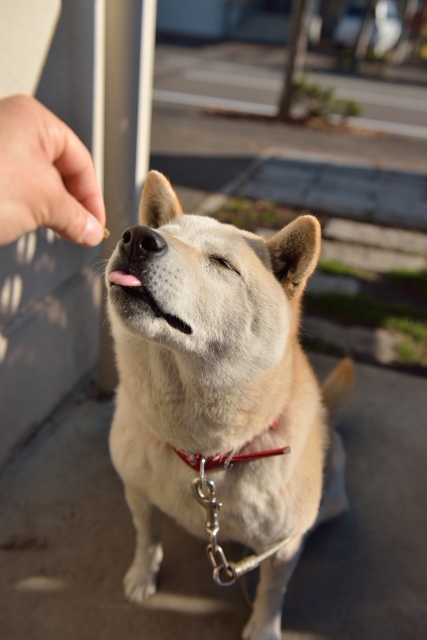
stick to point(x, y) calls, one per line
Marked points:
point(220, 458)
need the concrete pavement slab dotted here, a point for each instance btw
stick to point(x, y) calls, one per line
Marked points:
point(336, 202)
point(370, 258)
point(63, 516)
point(328, 283)
point(374, 236)
point(358, 191)
point(377, 344)
point(294, 195)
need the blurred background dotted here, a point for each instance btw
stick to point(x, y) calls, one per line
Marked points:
point(320, 106)
point(257, 111)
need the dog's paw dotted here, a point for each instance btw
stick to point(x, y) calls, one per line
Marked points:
point(140, 582)
point(256, 631)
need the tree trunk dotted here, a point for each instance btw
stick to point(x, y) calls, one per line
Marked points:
point(404, 46)
point(365, 32)
point(296, 55)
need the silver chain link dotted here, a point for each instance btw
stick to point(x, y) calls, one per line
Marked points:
point(225, 573)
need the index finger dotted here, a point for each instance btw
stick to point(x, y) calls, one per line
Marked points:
point(74, 162)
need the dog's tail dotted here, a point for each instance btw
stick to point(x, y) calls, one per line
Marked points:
point(339, 384)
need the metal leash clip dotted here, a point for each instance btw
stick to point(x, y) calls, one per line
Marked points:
point(225, 573)
point(204, 490)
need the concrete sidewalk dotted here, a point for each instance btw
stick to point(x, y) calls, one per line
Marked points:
point(336, 185)
point(66, 538)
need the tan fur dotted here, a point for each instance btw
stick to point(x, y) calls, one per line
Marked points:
point(339, 384)
point(159, 203)
point(217, 389)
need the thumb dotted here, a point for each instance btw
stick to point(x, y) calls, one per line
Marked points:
point(72, 220)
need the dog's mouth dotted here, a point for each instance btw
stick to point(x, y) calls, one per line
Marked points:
point(133, 287)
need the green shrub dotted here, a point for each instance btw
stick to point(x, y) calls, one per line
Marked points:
point(321, 102)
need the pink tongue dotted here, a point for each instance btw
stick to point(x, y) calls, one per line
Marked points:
point(124, 279)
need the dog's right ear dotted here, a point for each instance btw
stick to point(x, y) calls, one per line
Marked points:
point(159, 203)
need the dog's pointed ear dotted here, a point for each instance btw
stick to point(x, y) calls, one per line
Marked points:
point(159, 203)
point(294, 253)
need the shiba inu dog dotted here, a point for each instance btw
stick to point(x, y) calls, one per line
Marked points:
point(205, 319)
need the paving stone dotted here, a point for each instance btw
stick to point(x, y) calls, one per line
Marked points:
point(343, 203)
point(378, 344)
point(416, 219)
point(211, 204)
point(397, 179)
point(372, 235)
point(267, 234)
point(327, 283)
point(279, 166)
point(334, 178)
point(292, 196)
point(337, 187)
point(370, 258)
point(286, 180)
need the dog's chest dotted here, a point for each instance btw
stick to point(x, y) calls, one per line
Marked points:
point(254, 507)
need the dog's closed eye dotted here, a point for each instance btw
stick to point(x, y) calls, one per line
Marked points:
point(224, 263)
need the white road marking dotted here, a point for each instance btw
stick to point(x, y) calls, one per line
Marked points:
point(194, 100)
point(275, 84)
point(218, 77)
point(397, 128)
point(239, 106)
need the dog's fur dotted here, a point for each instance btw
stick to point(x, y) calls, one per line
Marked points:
point(219, 388)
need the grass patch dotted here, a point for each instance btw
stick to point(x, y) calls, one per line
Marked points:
point(412, 347)
point(321, 346)
point(248, 214)
point(269, 217)
point(408, 324)
point(237, 205)
point(338, 268)
point(416, 330)
point(416, 280)
point(360, 309)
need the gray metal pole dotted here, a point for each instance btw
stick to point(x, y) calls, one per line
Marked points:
point(122, 57)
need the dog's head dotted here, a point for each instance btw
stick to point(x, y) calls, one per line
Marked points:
point(207, 289)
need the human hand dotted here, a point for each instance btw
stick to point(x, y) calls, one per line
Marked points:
point(47, 176)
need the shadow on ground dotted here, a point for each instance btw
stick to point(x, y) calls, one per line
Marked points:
point(206, 173)
point(63, 521)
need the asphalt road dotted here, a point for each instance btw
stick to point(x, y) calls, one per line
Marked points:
point(195, 77)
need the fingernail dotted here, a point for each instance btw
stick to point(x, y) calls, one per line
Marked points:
point(93, 233)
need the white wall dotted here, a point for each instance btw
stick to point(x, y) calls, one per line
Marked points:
point(26, 31)
point(49, 298)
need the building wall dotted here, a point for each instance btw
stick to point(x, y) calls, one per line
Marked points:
point(196, 18)
point(49, 296)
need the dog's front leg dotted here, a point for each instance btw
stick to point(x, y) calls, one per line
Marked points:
point(140, 581)
point(275, 573)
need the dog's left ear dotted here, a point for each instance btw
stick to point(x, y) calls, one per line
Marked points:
point(159, 203)
point(294, 252)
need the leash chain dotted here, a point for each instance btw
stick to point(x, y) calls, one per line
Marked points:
point(225, 572)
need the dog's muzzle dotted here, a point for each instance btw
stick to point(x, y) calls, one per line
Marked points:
point(137, 246)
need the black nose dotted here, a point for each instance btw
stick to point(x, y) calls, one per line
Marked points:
point(141, 242)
